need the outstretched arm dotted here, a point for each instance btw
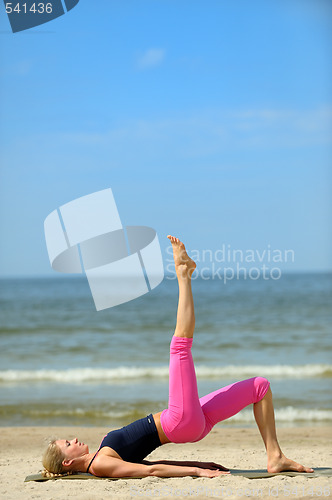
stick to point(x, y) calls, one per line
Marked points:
point(201, 465)
point(113, 467)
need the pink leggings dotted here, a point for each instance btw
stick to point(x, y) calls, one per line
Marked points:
point(189, 418)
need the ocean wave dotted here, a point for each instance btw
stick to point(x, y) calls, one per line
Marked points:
point(124, 373)
point(78, 412)
point(287, 414)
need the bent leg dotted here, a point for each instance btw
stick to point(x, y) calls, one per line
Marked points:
point(228, 401)
point(276, 460)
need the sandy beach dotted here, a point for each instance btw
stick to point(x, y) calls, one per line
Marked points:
point(236, 448)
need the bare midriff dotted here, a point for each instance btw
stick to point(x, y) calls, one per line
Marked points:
point(162, 436)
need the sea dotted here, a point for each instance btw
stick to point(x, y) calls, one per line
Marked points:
point(62, 363)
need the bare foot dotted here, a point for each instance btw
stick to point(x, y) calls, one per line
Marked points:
point(282, 463)
point(183, 263)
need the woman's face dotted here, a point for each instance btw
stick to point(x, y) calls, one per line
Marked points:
point(72, 449)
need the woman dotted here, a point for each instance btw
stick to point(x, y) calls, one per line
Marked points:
point(187, 418)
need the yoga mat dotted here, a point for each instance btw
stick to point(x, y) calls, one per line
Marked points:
point(250, 474)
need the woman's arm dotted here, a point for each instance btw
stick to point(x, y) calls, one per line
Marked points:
point(114, 467)
point(201, 465)
point(170, 470)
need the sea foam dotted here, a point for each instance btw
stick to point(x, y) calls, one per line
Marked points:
point(286, 414)
point(123, 373)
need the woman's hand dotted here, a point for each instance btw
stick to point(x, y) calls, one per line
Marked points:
point(210, 472)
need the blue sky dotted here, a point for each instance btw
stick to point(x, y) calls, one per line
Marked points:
point(209, 120)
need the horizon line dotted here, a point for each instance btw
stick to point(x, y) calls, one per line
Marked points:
point(82, 275)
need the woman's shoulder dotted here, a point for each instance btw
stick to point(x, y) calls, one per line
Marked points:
point(108, 452)
point(105, 456)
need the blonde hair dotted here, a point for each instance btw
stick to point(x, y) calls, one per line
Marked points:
point(52, 461)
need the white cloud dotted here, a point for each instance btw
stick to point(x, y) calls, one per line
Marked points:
point(150, 58)
point(218, 130)
point(203, 134)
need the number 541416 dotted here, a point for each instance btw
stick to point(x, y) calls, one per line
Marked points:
point(35, 8)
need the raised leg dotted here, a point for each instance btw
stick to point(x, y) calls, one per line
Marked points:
point(184, 267)
point(183, 420)
point(190, 419)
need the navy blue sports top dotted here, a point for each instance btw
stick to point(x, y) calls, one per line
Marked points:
point(134, 441)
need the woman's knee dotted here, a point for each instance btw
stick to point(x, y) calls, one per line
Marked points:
point(261, 386)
